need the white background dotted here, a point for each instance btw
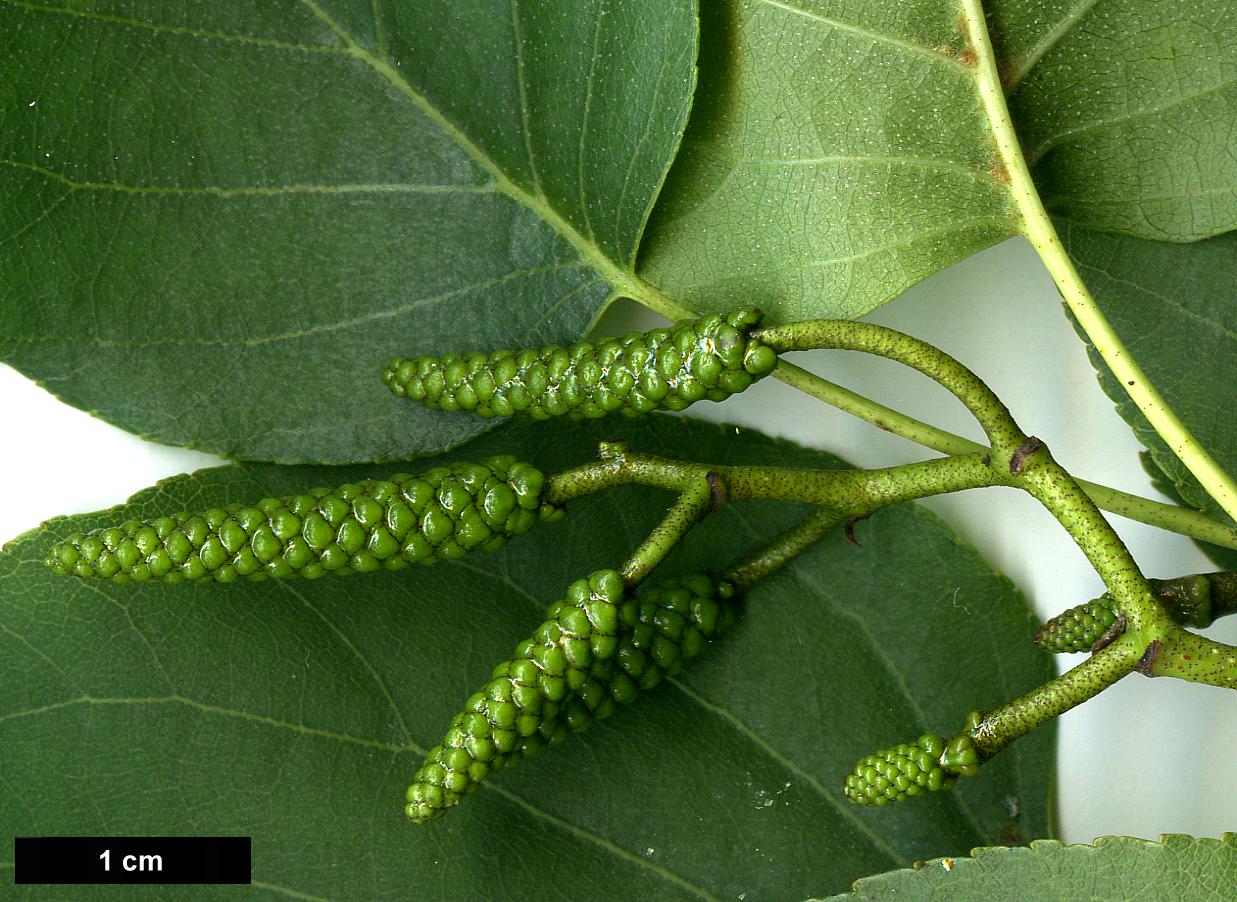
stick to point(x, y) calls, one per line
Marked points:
point(1146, 757)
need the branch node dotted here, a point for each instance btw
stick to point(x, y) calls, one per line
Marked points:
point(611, 450)
point(849, 529)
point(1022, 452)
point(1147, 662)
point(717, 491)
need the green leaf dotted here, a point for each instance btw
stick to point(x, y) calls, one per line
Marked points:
point(1172, 306)
point(221, 220)
point(835, 156)
point(1116, 867)
point(839, 152)
point(296, 712)
point(1124, 110)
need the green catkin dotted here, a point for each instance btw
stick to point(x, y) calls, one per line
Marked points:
point(596, 648)
point(928, 764)
point(665, 369)
point(1079, 628)
point(1196, 600)
point(386, 524)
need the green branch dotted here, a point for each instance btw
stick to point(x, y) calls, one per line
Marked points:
point(1174, 518)
point(1029, 464)
point(998, 728)
point(784, 549)
point(1171, 517)
point(848, 492)
point(1194, 658)
point(868, 338)
point(691, 505)
point(1046, 481)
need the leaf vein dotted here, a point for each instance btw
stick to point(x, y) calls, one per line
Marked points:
point(525, 119)
point(1054, 36)
point(364, 661)
point(875, 36)
point(47, 211)
point(791, 767)
point(925, 162)
point(1053, 141)
point(250, 190)
point(604, 843)
point(375, 316)
point(906, 242)
point(174, 29)
point(380, 38)
point(587, 249)
point(588, 108)
point(288, 891)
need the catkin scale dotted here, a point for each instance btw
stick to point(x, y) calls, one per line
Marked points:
point(441, 514)
point(667, 369)
point(596, 648)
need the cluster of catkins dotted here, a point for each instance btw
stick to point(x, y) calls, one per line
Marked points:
point(598, 646)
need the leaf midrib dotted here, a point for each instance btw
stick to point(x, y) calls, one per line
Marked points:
point(225, 191)
point(622, 279)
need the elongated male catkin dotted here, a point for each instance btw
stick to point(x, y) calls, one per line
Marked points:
point(441, 514)
point(668, 369)
point(596, 647)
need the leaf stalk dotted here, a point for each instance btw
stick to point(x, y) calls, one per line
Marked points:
point(1037, 226)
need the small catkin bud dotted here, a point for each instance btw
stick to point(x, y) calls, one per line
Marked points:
point(928, 764)
point(665, 369)
point(385, 524)
point(595, 649)
point(1079, 628)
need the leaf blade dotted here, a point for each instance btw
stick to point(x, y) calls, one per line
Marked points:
point(805, 168)
point(212, 266)
point(861, 89)
point(1122, 115)
point(1175, 867)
